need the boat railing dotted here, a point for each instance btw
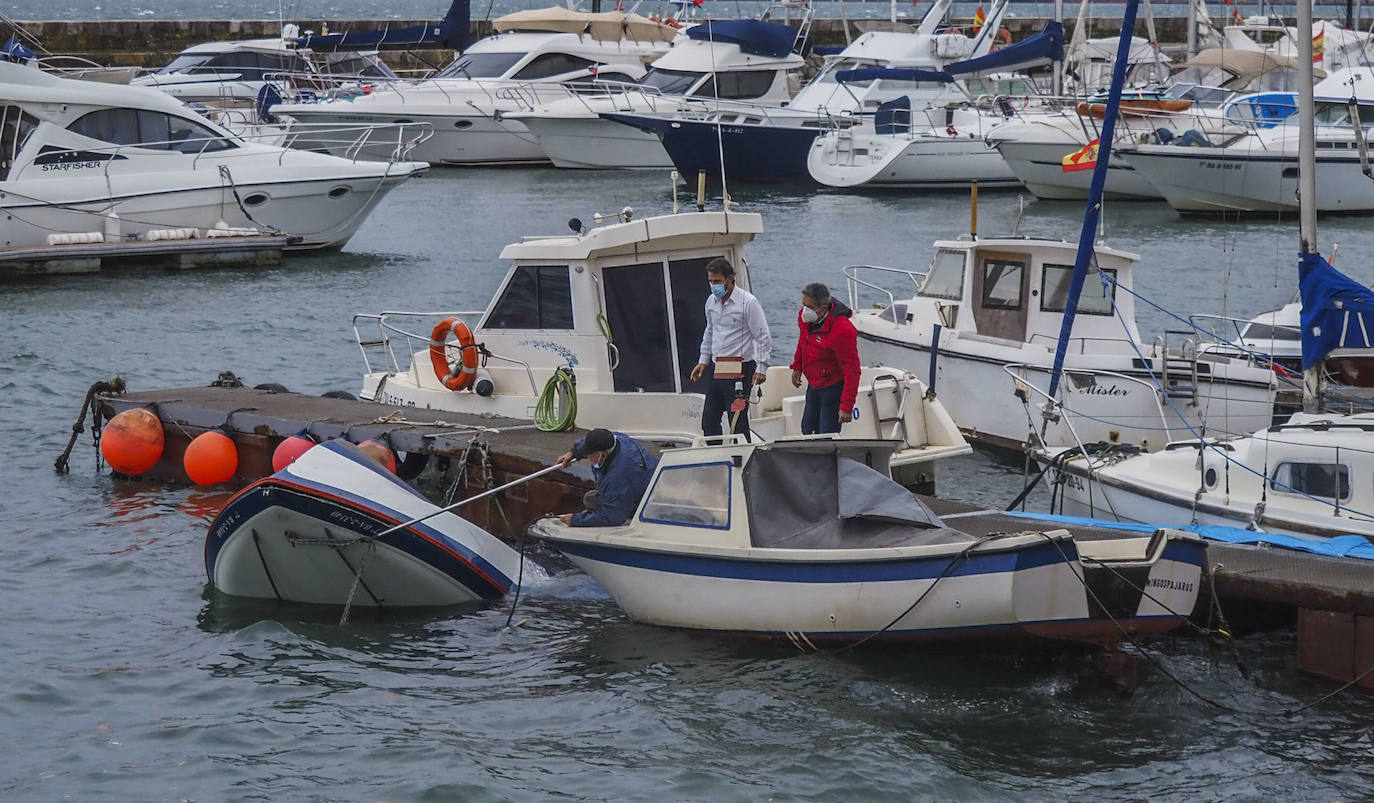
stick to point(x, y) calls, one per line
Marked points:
point(382, 346)
point(1019, 373)
point(1207, 326)
point(854, 283)
point(1121, 345)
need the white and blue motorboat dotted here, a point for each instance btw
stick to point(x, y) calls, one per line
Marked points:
point(810, 540)
point(759, 142)
point(324, 531)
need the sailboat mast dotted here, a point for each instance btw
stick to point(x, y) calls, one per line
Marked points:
point(1307, 134)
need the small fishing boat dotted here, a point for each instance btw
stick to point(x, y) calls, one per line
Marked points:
point(810, 540)
point(324, 531)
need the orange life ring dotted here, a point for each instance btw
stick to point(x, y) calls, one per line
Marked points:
point(461, 377)
point(672, 22)
point(1005, 36)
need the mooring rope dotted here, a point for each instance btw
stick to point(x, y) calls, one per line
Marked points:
point(62, 464)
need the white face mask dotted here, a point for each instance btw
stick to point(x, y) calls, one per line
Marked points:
point(809, 315)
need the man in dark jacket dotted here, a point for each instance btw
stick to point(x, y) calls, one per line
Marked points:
point(622, 469)
point(828, 356)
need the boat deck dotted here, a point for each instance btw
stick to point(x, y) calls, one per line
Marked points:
point(219, 252)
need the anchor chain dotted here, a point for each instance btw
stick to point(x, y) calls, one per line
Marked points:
point(62, 464)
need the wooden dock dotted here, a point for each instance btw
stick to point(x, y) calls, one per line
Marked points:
point(1331, 600)
point(217, 252)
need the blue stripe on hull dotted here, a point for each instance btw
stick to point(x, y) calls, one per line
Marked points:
point(752, 152)
point(466, 568)
point(854, 571)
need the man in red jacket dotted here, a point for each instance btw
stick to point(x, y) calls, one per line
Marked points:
point(828, 356)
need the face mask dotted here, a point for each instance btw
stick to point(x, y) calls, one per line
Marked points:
point(718, 290)
point(809, 315)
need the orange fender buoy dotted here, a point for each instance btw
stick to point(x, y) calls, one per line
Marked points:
point(458, 377)
point(211, 458)
point(290, 450)
point(132, 441)
point(378, 451)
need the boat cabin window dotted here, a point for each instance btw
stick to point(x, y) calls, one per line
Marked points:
point(1326, 480)
point(602, 78)
point(536, 297)
point(1002, 283)
point(1352, 372)
point(1339, 114)
point(149, 129)
point(690, 496)
point(548, 65)
point(737, 85)
point(1054, 291)
point(480, 65)
point(248, 64)
point(1202, 76)
point(1279, 79)
point(15, 127)
point(945, 279)
point(671, 82)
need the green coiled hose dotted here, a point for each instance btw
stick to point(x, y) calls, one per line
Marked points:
point(562, 386)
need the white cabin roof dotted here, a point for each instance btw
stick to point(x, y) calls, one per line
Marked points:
point(24, 84)
point(695, 55)
point(714, 227)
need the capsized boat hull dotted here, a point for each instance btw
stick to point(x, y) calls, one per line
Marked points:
point(1031, 586)
point(309, 532)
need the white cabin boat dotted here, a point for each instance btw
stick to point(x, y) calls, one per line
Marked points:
point(809, 540)
point(325, 531)
point(106, 161)
point(529, 60)
point(229, 73)
point(737, 60)
point(991, 306)
point(620, 307)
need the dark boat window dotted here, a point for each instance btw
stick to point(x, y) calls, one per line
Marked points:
point(1054, 291)
point(159, 131)
point(1327, 480)
point(480, 65)
point(15, 127)
point(550, 64)
point(687, 279)
point(671, 82)
point(536, 297)
point(255, 66)
point(1002, 283)
point(737, 85)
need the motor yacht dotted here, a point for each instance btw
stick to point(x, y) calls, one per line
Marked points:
point(131, 162)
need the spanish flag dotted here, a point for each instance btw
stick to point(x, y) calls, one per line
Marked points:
point(978, 19)
point(1235, 13)
point(1318, 45)
point(1084, 158)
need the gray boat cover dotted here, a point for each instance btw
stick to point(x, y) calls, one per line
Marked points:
point(823, 500)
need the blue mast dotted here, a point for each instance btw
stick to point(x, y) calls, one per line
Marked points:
point(1094, 210)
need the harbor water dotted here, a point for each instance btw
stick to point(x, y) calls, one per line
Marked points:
point(127, 679)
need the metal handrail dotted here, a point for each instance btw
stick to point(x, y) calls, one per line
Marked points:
point(853, 282)
point(386, 329)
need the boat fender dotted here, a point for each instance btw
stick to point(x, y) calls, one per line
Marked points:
point(172, 234)
point(76, 238)
point(111, 232)
point(462, 375)
point(483, 386)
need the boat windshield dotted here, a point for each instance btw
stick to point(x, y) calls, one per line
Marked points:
point(480, 65)
point(945, 279)
point(671, 82)
point(827, 73)
point(184, 63)
point(1203, 76)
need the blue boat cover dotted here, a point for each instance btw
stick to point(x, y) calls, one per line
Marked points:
point(892, 73)
point(1340, 546)
point(452, 31)
point(893, 117)
point(1043, 48)
point(15, 51)
point(1337, 311)
point(753, 36)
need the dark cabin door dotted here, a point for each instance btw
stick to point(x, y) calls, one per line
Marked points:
point(1001, 285)
point(637, 310)
point(687, 277)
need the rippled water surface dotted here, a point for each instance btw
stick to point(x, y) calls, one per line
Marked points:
point(125, 679)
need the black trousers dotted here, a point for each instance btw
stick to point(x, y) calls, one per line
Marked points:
point(720, 394)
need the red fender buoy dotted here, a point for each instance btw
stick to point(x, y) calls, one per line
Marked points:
point(132, 441)
point(289, 451)
point(211, 458)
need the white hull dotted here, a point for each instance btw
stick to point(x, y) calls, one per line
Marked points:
point(979, 395)
point(310, 534)
point(300, 206)
point(593, 143)
point(734, 591)
point(925, 161)
point(467, 135)
point(1039, 165)
point(1211, 179)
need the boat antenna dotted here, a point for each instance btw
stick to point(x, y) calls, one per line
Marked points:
point(1088, 235)
point(720, 137)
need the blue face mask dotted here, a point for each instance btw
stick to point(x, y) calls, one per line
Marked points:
point(718, 290)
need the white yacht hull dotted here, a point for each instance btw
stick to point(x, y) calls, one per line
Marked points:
point(300, 207)
point(979, 395)
point(924, 161)
point(593, 143)
point(1039, 165)
point(468, 135)
point(1213, 179)
point(1024, 585)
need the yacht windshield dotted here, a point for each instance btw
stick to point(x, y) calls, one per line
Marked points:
point(184, 62)
point(1205, 76)
point(945, 279)
point(671, 82)
point(480, 65)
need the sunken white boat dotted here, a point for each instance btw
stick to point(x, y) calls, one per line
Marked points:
point(320, 531)
point(810, 540)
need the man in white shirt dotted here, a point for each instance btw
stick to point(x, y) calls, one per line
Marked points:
point(734, 350)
